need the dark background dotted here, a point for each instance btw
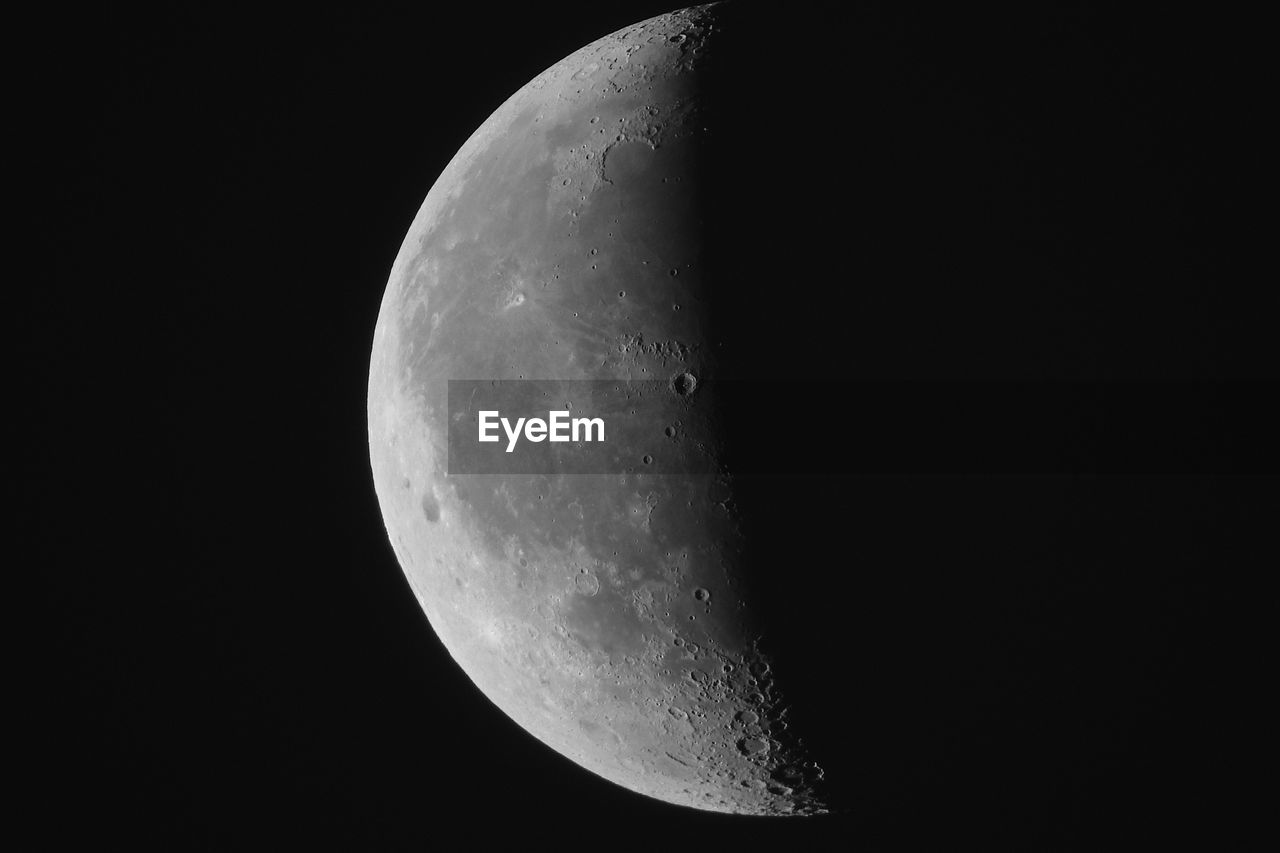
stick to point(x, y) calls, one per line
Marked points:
point(231, 657)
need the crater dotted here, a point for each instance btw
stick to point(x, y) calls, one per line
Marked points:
point(626, 161)
point(587, 583)
point(431, 507)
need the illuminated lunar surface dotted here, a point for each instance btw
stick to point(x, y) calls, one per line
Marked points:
point(602, 613)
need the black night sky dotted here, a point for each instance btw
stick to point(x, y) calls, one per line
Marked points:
point(232, 658)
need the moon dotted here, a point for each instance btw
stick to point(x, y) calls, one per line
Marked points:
point(605, 614)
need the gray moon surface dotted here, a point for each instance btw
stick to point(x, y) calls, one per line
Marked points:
point(601, 613)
